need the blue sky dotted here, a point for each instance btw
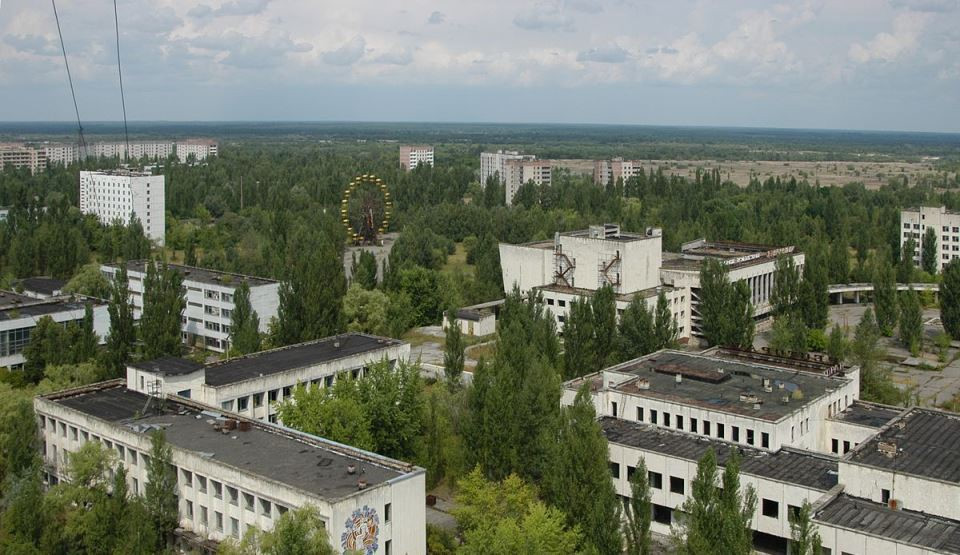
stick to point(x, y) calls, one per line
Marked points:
point(857, 64)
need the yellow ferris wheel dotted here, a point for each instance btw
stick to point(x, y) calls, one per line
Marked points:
point(366, 208)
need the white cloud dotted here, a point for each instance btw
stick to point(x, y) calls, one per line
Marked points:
point(436, 18)
point(544, 16)
point(887, 47)
point(612, 54)
point(347, 54)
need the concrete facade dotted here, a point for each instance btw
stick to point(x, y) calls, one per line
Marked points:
point(225, 486)
point(914, 223)
point(606, 172)
point(19, 314)
point(121, 196)
point(412, 156)
point(209, 294)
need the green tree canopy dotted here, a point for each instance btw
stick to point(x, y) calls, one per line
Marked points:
point(928, 255)
point(244, 323)
point(163, 305)
point(950, 299)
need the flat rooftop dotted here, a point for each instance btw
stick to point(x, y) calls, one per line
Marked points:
point(871, 415)
point(42, 284)
point(792, 466)
point(301, 461)
point(926, 441)
point(14, 306)
point(723, 385)
point(920, 529)
point(274, 361)
point(733, 253)
point(202, 275)
point(624, 297)
point(121, 172)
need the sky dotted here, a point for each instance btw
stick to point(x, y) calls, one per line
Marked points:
point(825, 64)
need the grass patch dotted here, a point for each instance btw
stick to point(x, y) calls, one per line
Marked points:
point(485, 351)
point(457, 262)
point(417, 338)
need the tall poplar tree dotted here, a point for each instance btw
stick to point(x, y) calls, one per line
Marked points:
point(786, 286)
point(638, 510)
point(311, 298)
point(579, 347)
point(664, 326)
point(163, 305)
point(950, 299)
point(578, 481)
point(160, 492)
point(906, 265)
point(635, 335)
point(453, 350)
point(123, 334)
point(604, 308)
point(884, 295)
point(911, 321)
point(928, 253)
point(244, 323)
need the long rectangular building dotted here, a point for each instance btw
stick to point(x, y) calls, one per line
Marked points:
point(254, 384)
point(234, 472)
point(122, 196)
point(209, 295)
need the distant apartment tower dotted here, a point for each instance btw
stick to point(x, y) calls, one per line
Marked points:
point(122, 195)
point(18, 155)
point(611, 171)
point(62, 154)
point(914, 223)
point(201, 149)
point(209, 295)
point(495, 164)
point(412, 156)
point(519, 172)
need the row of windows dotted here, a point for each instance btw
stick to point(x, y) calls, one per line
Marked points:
point(665, 419)
point(278, 395)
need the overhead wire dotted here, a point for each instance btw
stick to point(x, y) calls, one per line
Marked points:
point(76, 108)
point(123, 102)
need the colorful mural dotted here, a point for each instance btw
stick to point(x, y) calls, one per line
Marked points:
point(361, 531)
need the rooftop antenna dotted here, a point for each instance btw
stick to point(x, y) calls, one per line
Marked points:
point(63, 47)
point(123, 102)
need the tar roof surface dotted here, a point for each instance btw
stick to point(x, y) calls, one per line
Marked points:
point(9, 299)
point(294, 356)
point(302, 463)
point(169, 366)
point(927, 442)
point(932, 532)
point(625, 297)
point(37, 307)
point(691, 262)
point(45, 285)
point(795, 467)
point(868, 414)
point(723, 395)
point(203, 275)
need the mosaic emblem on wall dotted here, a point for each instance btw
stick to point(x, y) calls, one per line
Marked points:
point(361, 531)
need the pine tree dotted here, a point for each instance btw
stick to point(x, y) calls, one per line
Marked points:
point(639, 511)
point(160, 492)
point(884, 295)
point(453, 352)
point(579, 349)
point(664, 326)
point(604, 308)
point(928, 255)
point(636, 336)
point(579, 482)
point(163, 305)
point(804, 537)
point(911, 322)
point(244, 323)
point(122, 330)
point(950, 299)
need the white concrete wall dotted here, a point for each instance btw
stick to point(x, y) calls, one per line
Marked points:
point(914, 223)
point(842, 540)
point(914, 493)
point(115, 197)
point(487, 325)
point(558, 304)
point(640, 261)
point(525, 267)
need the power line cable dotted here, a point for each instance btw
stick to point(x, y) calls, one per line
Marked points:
point(123, 102)
point(63, 47)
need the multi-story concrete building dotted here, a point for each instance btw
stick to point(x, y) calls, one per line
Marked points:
point(520, 172)
point(252, 385)
point(234, 472)
point(122, 195)
point(914, 223)
point(412, 156)
point(880, 479)
point(200, 149)
point(493, 164)
point(611, 171)
point(19, 314)
point(19, 155)
point(62, 154)
point(209, 295)
point(577, 263)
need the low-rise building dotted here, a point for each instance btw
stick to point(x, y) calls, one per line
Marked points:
point(122, 196)
point(880, 479)
point(19, 314)
point(252, 385)
point(914, 223)
point(412, 156)
point(209, 295)
point(234, 472)
point(41, 287)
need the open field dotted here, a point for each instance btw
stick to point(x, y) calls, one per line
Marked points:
point(872, 174)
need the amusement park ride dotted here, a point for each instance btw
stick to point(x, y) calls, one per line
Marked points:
point(365, 209)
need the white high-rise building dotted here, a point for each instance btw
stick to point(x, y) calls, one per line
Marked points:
point(63, 154)
point(199, 148)
point(412, 156)
point(495, 163)
point(914, 223)
point(123, 195)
